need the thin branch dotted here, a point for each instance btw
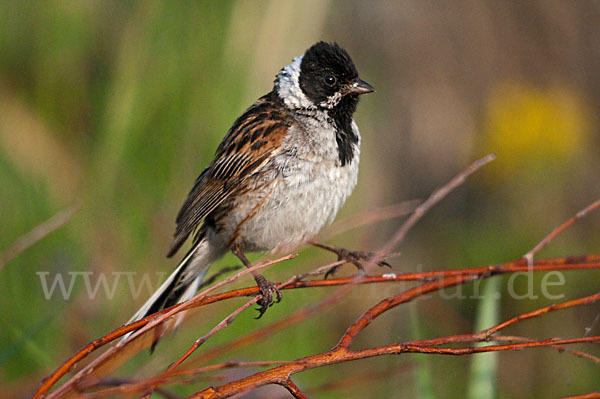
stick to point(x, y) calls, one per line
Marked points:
point(340, 354)
point(482, 336)
point(37, 234)
point(591, 261)
point(210, 280)
point(368, 217)
point(224, 323)
point(389, 303)
point(138, 328)
point(405, 296)
point(425, 345)
point(576, 302)
point(433, 199)
point(422, 346)
point(263, 332)
point(361, 377)
point(142, 385)
point(116, 382)
point(293, 389)
point(582, 213)
point(574, 352)
point(419, 212)
point(422, 209)
point(591, 395)
point(227, 365)
point(408, 348)
point(486, 335)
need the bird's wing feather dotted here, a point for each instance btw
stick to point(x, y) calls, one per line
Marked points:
point(244, 151)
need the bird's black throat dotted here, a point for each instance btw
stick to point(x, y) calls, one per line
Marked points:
point(341, 115)
point(326, 72)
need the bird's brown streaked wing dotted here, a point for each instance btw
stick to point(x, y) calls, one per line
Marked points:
point(244, 151)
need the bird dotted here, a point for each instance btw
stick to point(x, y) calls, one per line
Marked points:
point(280, 174)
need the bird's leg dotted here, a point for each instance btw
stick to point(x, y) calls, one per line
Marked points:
point(267, 289)
point(354, 257)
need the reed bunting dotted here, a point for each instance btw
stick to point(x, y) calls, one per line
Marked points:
point(280, 175)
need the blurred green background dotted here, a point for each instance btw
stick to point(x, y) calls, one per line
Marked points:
point(118, 106)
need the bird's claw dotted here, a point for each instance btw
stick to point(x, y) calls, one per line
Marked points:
point(354, 257)
point(331, 272)
point(267, 289)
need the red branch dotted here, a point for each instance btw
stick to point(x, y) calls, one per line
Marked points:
point(338, 355)
point(281, 372)
point(582, 213)
point(591, 395)
point(571, 263)
point(293, 389)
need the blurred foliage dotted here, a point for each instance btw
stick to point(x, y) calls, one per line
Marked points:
point(528, 125)
point(119, 105)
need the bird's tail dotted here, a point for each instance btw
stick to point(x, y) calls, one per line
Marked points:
point(182, 284)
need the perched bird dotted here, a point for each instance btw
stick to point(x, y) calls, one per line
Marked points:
point(281, 173)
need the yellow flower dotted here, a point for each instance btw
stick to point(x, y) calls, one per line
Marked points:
point(527, 124)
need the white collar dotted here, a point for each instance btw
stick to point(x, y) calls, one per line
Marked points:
point(287, 85)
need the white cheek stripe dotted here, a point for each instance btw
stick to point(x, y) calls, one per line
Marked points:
point(332, 101)
point(288, 86)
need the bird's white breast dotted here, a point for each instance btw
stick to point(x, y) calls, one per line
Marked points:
point(309, 189)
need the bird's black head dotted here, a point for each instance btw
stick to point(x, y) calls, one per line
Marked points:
point(328, 76)
point(329, 80)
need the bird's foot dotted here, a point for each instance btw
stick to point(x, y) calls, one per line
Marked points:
point(354, 257)
point(267, 290)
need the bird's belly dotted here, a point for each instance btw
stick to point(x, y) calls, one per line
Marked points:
point(295, 206)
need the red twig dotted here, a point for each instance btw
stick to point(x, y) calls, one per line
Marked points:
point(140, 327)
point(582, 213)
point(341, 351)
point(293, 389)
point(422, 209)
point(576, 302)
point(368, 217)
point(339, 354)
point(116, 382)
point(436, 197)
point(224, 323)
point(417, 214)
point(591, 395)
point(431, 346)
point(142, 385)
point(279, 325)
point(570, 263)
point(361, 376)
point(389, 303)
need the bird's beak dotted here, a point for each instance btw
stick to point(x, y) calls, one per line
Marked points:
point(360, 87)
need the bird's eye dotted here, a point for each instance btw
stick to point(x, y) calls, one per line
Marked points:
point(330, 80)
